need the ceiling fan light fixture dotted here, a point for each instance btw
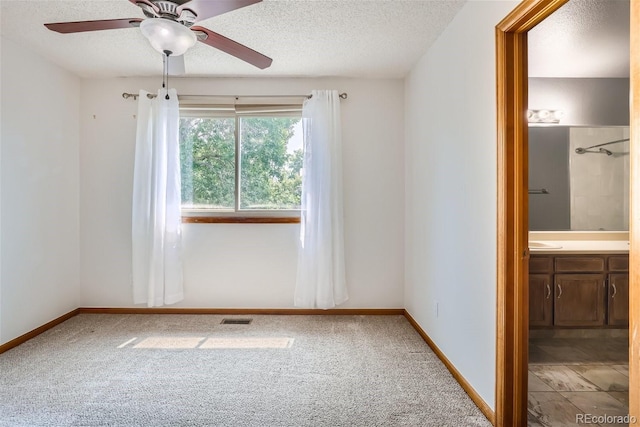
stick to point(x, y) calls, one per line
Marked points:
point(166, 35)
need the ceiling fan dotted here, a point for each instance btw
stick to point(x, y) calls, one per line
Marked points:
point(169, 26)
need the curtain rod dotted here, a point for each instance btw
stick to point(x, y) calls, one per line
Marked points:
point(126, 95)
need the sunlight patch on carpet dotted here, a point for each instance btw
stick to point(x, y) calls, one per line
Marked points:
point(278, 342)
point(208, 343)
point(170, 342)
point(126, 343)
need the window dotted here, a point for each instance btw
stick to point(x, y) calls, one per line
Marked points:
point(241, 163)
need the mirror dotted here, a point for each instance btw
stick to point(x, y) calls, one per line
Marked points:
point(578, 65)
point(578, 178)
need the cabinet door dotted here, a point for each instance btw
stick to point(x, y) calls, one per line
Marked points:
point(579, 300)
point(540, 300)
point(618, 299)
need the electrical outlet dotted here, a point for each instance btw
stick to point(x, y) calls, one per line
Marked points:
point(437, 309)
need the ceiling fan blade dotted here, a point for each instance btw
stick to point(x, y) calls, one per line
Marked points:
point(206, 9)
point(81, 26)
point(176, 65)
point(234, 48)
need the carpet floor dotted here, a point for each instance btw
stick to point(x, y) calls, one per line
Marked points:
point(191, 370)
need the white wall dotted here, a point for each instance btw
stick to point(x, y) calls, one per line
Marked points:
point(39, 191)
point(450, 157)
point(246, 265)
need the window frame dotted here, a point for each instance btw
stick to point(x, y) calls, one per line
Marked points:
point(239, 215)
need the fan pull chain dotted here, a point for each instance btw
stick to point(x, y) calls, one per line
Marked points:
point(165, 76)
point(164, 67)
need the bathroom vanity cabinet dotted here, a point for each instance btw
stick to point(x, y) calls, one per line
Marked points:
point(618, 299)
point(578, 290)
point(540, 291)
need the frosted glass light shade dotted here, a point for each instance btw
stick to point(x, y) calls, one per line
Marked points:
point(545, 116)
point(168, 36)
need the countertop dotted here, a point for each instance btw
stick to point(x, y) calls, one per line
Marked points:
point(594, 242)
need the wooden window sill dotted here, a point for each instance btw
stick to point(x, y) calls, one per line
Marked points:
point(239, 220)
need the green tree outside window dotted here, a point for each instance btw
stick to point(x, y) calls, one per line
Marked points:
point(270, 165)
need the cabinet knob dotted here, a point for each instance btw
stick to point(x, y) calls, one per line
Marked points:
point(548, 291)
point(559, 291)
point(615, 290)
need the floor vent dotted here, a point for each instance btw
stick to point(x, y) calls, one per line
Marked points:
point(236, 321)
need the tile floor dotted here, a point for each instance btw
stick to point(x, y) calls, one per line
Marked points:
point(577, 376)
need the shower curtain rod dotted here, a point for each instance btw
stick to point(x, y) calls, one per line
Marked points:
point(126, 95)
point(607, 143)
point(581, 150)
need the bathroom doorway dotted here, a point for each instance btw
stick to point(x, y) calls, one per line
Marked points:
point(513, 252)
point(578, 180)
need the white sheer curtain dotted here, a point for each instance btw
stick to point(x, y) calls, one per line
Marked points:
point(321, 271)
point(157, 266)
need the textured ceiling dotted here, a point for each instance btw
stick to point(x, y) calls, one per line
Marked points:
point(584, 38)
point(353, 38)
